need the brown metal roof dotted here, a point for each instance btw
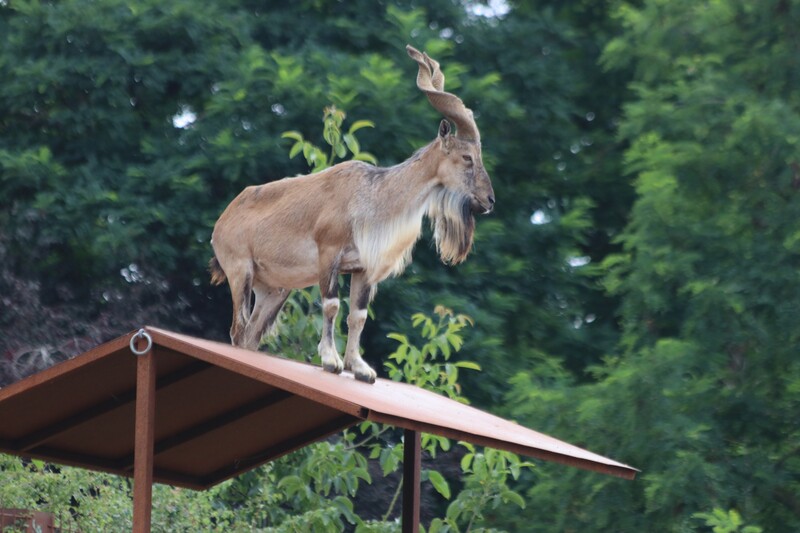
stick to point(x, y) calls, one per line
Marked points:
point(221, 411)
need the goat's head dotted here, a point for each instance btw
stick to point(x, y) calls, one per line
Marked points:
point(466, 188)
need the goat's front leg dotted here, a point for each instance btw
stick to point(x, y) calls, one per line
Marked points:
point(360, 295)
point(329, 288)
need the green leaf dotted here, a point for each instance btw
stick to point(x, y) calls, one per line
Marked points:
point(296, 135)
point(296, 149)
point(330, 136)
point(399, 337)
point(439, 483)
point(352, 143)
point(417, 319)
point(389, 461)
point(358, 124)
point(340, 150)
point(437, 526)
point(366, 157)
point(345, 507)
point(509, 496)
point(468, 364)
point(457, 341)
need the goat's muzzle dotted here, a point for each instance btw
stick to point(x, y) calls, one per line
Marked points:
point(482, 206)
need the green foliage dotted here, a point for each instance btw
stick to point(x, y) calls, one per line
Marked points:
point(702, 390)
point(332, 133)
point(422, 366)
point(726, 522)
point(296, 332)
point(100, 502)
point(485, 490)
point(427, 365)
point(95, 96)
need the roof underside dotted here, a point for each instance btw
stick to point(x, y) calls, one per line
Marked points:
point(221, 411)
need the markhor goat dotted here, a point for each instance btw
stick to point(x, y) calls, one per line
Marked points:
point(355, 219)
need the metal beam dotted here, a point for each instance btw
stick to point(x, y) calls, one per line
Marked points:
point(211, 424)
point(288, 444)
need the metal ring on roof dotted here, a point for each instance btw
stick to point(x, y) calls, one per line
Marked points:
point(141, 334)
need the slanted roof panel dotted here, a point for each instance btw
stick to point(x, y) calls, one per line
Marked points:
point(411, 407)
point(221, 410)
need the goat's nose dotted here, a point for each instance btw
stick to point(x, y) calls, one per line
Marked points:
point(490, 199)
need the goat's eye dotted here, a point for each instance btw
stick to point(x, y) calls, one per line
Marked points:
point(467, 159)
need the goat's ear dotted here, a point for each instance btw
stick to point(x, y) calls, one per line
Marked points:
point(444, 128)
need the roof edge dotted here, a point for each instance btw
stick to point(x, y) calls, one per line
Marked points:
point(64, 367)
point(611, 467)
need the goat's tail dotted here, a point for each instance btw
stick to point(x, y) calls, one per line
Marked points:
point(217, 274)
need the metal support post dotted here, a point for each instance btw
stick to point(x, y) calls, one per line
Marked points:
point(145, 431)
point(412, 464)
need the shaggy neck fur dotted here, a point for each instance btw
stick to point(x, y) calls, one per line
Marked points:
point(405, 193)
point(453, 225)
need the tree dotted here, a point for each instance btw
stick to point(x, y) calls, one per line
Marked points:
point(702, 391)
point(99, 186)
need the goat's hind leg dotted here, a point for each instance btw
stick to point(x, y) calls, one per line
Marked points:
point(268, 304)
point(240, 281)
point(360, 295)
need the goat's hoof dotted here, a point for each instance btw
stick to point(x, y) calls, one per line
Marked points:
point(332, 368)
point(366, 377)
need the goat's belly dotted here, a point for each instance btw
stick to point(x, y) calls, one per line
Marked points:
point(286, 278)
point(288, 267)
